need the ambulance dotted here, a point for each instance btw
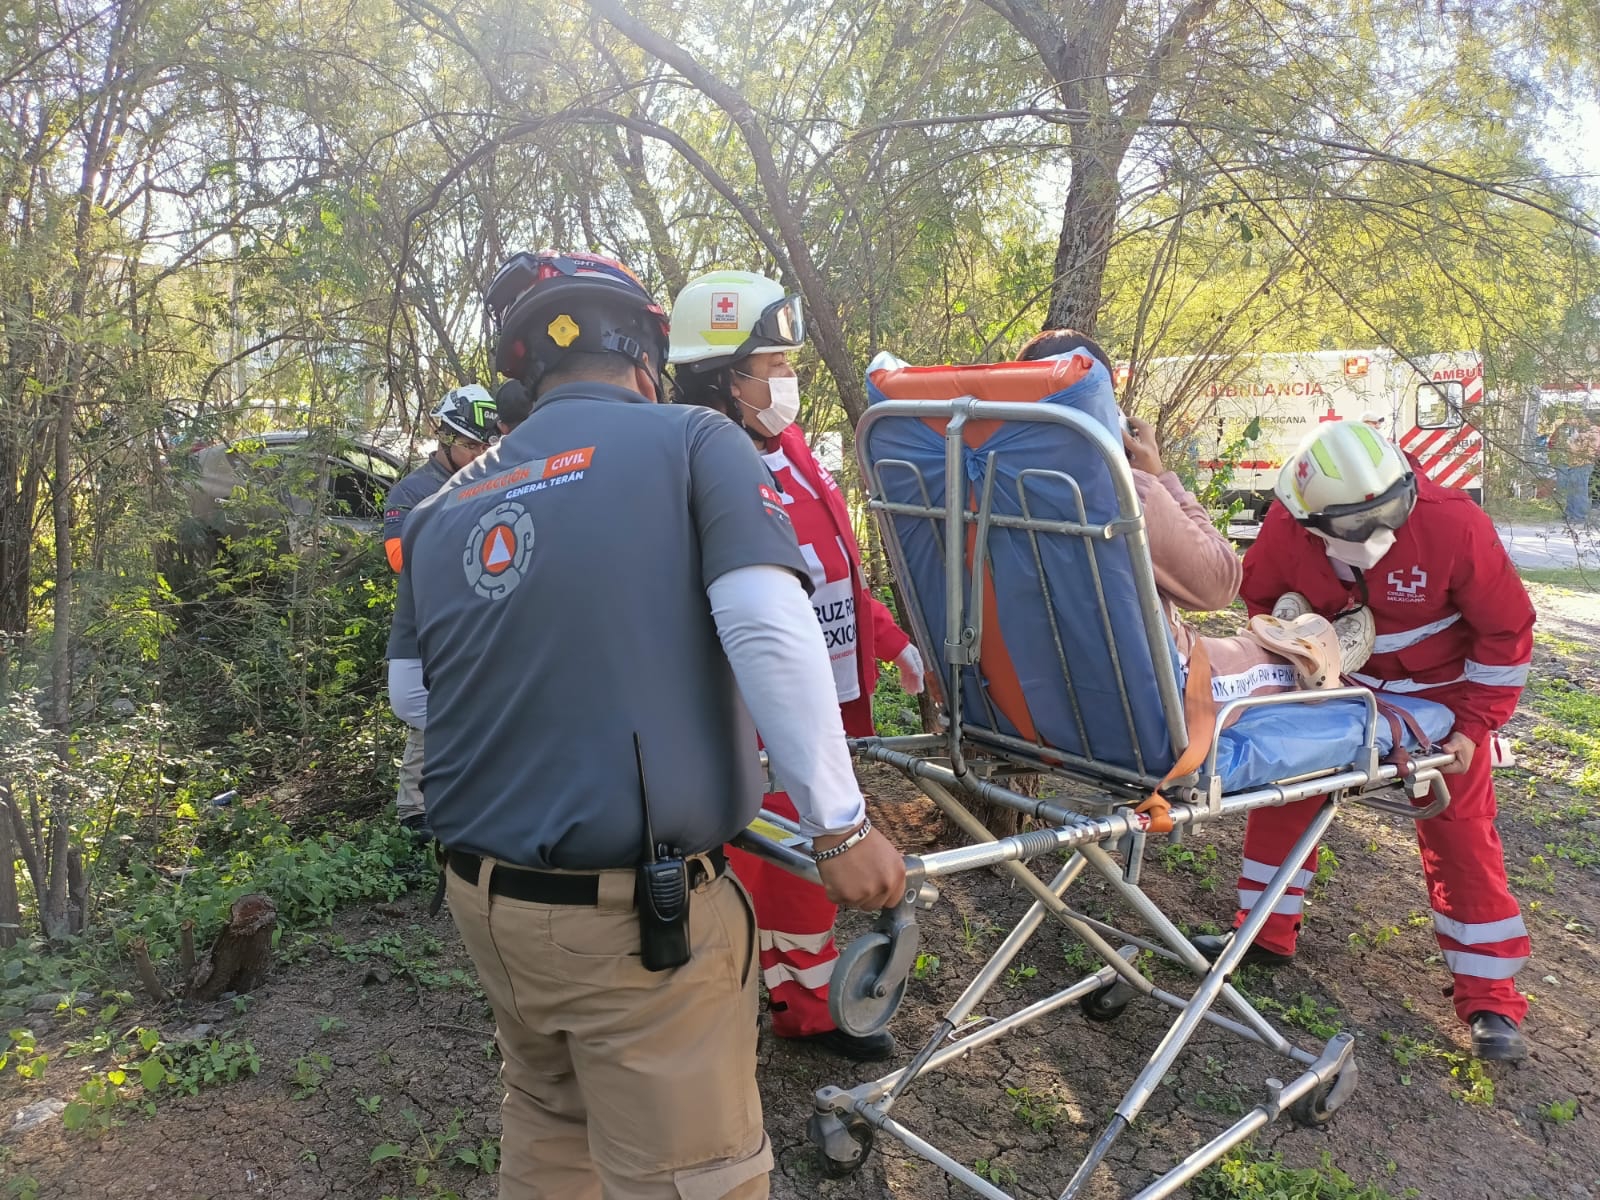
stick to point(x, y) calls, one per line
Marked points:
point(1428, 404)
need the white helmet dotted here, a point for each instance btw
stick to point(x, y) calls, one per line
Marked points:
point(468, 412)
point(724, 316)
point(1348, 481)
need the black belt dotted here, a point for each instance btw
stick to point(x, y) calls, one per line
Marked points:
point(548, 887)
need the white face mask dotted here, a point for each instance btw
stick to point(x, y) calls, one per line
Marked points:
point(785, 406)
point(1364, 555)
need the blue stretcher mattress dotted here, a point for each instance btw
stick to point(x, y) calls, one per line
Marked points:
point(1263, 747)
point(1278, 742)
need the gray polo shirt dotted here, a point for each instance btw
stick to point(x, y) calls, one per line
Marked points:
point(555, 592)
point(406, 495)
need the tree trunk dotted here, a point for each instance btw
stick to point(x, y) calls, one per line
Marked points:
point(824, 326)
point(10, 910)
point(238, 960)
point(53, 916)
point(1087, 225)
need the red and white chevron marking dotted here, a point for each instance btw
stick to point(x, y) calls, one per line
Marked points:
point(1450, 457)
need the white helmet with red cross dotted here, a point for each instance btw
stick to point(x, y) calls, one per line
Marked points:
point(725, 316)
point(1348, 481)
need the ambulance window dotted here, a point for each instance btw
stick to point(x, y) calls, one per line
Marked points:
point(1439, 405)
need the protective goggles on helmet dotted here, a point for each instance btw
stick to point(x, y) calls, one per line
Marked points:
point(781, 323)
point(1359, 521)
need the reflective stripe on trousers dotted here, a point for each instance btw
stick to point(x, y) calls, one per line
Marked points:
point(1476, 920)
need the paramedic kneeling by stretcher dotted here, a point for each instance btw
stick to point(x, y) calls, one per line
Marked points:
point(1357, 523)
point(588, 602)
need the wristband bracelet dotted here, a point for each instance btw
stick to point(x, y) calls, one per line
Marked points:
point(860, 835)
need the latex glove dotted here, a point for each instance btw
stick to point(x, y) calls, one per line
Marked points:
point(909, 664)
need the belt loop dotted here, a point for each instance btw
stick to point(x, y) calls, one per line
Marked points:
point(486, 867)
point(614, 890)
point(708, 870)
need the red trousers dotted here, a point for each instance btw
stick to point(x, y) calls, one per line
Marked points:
point(1475, 917)
point(794, 920)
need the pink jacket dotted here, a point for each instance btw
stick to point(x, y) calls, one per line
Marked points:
point(1196, 568)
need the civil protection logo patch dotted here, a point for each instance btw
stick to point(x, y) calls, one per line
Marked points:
point(496, 555)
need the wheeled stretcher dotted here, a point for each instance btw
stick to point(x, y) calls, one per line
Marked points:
point(1009, 514)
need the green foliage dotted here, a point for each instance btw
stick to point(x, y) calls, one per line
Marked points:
point(1200, 863)
point(413, 954)
point(995, 1172)
point(1247, 1175)
point(1474, 1084)
point(1306, 1011)
point(1017, 976)
point(145, 1067)
point(422, 1154)
point(309, 1073)
point(1214, 487)
point(926, 966)
point(23, 1055)
point(249, 850)
point(894, 714)
point(1559, 1112)
point(1039, 1111)
point(214, 860)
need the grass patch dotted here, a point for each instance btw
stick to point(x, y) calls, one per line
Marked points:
point(1572, 579)
point(1473, 1083)
point(1248, 1175)
point(231, 854)
point(1571, 723)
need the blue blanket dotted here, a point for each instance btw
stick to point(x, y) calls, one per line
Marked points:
point(1279, 742)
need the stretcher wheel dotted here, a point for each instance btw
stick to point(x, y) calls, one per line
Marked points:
point(860, 1000)
point(1317, 1106)
point(843, 1143)
point(1106, 1003)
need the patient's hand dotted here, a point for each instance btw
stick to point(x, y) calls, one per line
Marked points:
point(1144, 454)
point(1463, 748)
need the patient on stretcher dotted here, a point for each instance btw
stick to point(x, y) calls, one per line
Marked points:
point(1197, 570)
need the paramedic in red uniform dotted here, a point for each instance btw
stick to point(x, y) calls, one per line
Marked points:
point(731, 334)
point(1358, 523)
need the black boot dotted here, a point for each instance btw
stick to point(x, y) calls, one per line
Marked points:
point(1212, 945)
point(875, 1047)
point(1495, 1037)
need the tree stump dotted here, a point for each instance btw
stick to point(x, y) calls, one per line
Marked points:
point(239, 958)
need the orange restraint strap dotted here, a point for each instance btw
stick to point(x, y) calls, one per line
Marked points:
point(1200, 715)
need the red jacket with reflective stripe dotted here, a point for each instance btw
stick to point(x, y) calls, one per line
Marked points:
point(1454, 622)
point(878, 638)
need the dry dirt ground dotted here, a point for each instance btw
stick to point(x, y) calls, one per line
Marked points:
point(371, 1034)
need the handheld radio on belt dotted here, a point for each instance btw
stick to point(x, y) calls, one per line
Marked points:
point(662, 894)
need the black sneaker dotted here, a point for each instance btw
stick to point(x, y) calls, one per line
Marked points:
point(875, 1047)
point(1496, 1038)
point(1212, 945)
point(417, 826)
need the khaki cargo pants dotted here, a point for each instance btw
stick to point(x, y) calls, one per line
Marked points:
point(619, 1082)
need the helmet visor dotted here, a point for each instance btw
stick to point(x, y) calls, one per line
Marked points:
point(1358, 522)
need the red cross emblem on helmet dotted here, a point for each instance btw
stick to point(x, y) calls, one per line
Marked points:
point(1303, 471)
point(724, 310)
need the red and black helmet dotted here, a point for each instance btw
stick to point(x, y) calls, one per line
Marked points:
point(547, 304)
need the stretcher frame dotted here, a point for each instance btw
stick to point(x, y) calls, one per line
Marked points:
point(1102, 834)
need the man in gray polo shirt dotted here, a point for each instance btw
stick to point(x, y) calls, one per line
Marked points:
point(588, 602)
